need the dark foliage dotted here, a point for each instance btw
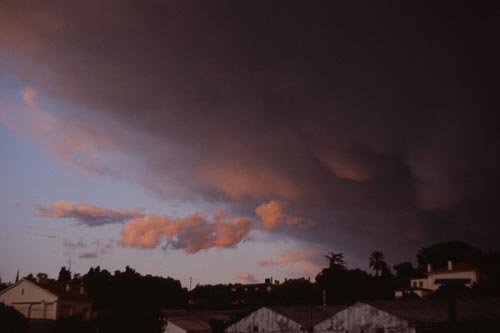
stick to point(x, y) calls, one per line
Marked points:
point(64, 275)
point(73, 324)
point(404, 272)
point(129, 302)
point(11, 320)
point(439, 254)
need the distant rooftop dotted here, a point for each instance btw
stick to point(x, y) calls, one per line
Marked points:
point(436, 311)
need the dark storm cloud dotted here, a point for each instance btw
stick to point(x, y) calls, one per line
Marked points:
point(376, 121)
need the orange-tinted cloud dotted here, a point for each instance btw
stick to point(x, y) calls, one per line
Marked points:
point(289, 257)
point(87, 214)
point(276, 212)
point(29, 96)
point(192, 233)
point(240, 181)
point(303, 261)
point(246, 277)
point(346, 168)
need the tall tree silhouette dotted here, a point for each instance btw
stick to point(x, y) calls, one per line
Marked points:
point(377, 262)
point(335, 261)
point(64, 275)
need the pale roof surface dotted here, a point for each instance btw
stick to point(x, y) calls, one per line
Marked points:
point(437, 310)
point(307, 316)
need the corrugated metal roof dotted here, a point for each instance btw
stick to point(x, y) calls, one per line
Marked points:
point(199, 321)
point(191, 324)
point(307, 316)
point(437, 310)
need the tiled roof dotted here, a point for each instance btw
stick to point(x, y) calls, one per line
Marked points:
point(59, 289)
point(437, 310)
point(457, 267)
point(307, 316)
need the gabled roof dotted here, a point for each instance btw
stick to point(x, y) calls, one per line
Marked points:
point(307, 316)
point(456, 267)
point(24, 280)
point(55, 288)
point(191, 324)
point(437, 311)
point(199, 321)
point(59, 289)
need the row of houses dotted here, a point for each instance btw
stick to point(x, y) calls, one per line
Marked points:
point(402, 316)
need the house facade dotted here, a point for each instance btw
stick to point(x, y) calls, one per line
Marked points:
point(47, 299)
point(425, 285)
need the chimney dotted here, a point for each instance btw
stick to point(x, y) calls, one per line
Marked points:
point(277, 282)
point(68, 287)
point(450, 265)
point(41, 278)
point(429, 268)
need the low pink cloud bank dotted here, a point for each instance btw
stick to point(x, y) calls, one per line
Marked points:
point(191, 233)
point(246, 277)
point(289, 257)
point(277, 212)
point(303, 261)
point(87, 214)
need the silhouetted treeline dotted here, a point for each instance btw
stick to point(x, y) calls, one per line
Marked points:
point(130, 302)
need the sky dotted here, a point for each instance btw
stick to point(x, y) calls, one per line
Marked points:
point(232, 141)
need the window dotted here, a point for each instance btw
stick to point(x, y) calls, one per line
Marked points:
point(421, 284)
point(379, 330)
point(256, 328)
point(414, 283)
point(22, 291)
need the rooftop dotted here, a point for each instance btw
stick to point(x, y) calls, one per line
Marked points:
point(437, 310)
point(307, 316)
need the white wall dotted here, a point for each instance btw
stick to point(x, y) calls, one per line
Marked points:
point(29, 299)
point(264, 320)
point(472, 275)
point(362, 317)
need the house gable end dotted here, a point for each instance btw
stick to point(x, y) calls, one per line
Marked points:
point(25, 291)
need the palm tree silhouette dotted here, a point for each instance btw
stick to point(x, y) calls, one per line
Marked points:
point(377, 262)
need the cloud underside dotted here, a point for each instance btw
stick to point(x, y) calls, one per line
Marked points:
point(374, 130)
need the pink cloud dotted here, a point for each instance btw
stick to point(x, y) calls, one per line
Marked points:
point(277, 212)
point(347, 167)
point(240, 181)
point(289, 257)
point(94, 249)
point(246, 277)
point(303, 261)
point(192, 233)
point(88, 255)
point(29, 96)
point(87, 214)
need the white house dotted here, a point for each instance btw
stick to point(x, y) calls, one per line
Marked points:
point(47, 299)
point(286, 319)
point(424, 285)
